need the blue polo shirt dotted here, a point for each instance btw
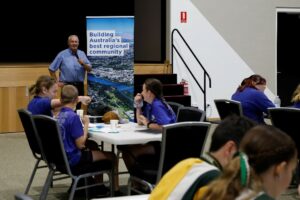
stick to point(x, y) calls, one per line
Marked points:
point(71, 129)
point(40, 106)
point(70, 69)
point(296, 105)
point(254, 103)
point(160, 113)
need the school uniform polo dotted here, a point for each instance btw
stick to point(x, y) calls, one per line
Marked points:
point(254, 103)
point(71, 129)
point(159, 112)
point(185, 179)
point(296, 105)
point(40, 106)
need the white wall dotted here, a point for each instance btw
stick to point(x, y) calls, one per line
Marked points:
point(250, 29)
point(250, 40)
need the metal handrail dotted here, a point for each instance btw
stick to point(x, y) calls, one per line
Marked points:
point(205, 73)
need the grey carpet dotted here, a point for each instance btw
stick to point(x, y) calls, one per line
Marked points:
point(16, 164)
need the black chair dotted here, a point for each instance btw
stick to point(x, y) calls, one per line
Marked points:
point(227, 107)
point(30, 132)
point(175, 106)
point(95, 119)
point(22, 197)
point(26, 120)
point(192, 137)
point(287, 119)
point(188, 114)
point(51, 143)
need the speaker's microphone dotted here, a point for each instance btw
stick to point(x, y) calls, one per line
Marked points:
point(76, 55)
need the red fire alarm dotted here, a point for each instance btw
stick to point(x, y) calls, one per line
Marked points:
point(183, 17)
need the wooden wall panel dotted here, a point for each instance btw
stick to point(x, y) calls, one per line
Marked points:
point(24, 75)
point(11, 99)
point(152, 68)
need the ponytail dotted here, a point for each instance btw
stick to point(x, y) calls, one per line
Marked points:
point(32, 89)
point(235, 178)
point(251, 81)
point(43, 81)
point(265, 146)
point(155, 86)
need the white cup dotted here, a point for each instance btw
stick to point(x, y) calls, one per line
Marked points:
point(113, 125)
point(80, 113)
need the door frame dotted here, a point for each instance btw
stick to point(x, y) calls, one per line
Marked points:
point(281, 10)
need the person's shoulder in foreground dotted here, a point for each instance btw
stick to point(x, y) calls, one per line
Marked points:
point(188, 179)
point(262, 169)
point(177, 182)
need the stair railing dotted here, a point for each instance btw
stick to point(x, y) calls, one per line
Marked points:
point(205, 74)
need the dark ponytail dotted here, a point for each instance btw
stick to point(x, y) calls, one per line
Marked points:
point(155, 86)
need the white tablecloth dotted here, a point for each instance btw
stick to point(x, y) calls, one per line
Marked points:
point(129, 133)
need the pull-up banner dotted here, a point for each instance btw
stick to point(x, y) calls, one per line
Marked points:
point(110, 42)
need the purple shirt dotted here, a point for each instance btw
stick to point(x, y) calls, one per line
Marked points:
point(40, 106)
point(254, 103)
point(296, 105)
point(71, 129)
point(160, 113)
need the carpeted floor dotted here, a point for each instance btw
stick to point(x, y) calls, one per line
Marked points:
point(16, 164)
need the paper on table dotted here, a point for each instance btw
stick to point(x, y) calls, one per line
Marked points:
point(103, 130)
point(93, 125)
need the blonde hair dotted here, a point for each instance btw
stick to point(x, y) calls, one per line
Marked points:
point(296, 95)
point(228, 186)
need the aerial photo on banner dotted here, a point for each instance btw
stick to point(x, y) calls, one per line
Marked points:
point(110, 48)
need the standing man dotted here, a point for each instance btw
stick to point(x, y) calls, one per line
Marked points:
point(72, 64)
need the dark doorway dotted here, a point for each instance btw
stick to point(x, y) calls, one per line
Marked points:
point(288, 55)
